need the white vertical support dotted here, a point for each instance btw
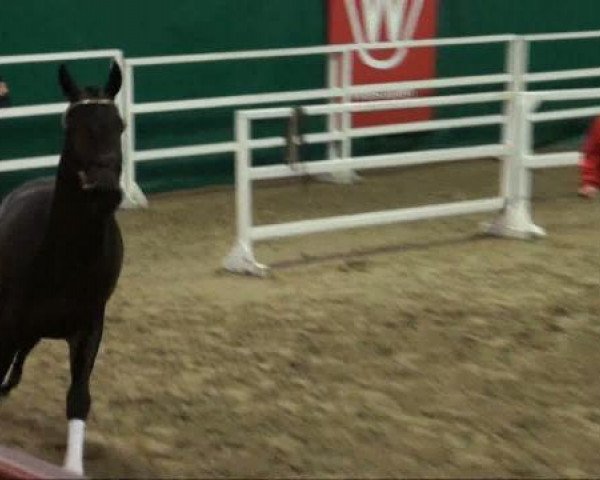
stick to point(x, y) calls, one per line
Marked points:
point(347, 74)
point(342, 121)
point(133, 195)
point(517, 61)
point(241, 258)
point(515, 221)
point(242, 179)
point(121, 98)
point(523, 176)
point(333, 119)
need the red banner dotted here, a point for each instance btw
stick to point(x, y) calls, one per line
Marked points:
point(372, 21)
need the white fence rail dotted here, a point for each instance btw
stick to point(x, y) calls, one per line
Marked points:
point(340, 60)
point(339, 88)
point(515, 193)
point(241, 259)
point(513, 83)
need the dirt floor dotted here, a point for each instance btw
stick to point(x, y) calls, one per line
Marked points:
point(414, 350)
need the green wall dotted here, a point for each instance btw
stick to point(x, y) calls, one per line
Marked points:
point(148, 28)
point(486, 17)
point(156, 27)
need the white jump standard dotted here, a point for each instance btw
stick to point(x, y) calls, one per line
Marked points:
point(241, 259)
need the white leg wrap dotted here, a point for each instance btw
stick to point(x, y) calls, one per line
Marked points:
point(76, 440)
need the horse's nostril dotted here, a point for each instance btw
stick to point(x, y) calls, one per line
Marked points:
point(84, 180)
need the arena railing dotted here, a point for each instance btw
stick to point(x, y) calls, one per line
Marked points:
point(340, 59)
point(339, 89)
point(133, 195)
point(242, 260)
point(516, 149)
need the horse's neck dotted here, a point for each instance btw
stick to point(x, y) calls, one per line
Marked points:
point(72, 225)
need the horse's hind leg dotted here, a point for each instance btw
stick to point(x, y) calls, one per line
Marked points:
point(16, 371)
point(7, 355)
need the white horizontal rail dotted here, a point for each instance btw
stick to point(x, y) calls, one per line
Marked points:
point(187, 151)
point(447, 82)
point(378, 161)
point(58, 57)
point(378, 105)
point(304, 227)
point(564, 114)
point(427, 125)
point(228, 147)
point(29, 163)
point(314, 50)
point(565, 94)
point(234, 101)
point(315, 94)
point(272, 142)
point(33, 111)
point(557, 75)
point(549, 37)
point(363, 132)
point(551, 160)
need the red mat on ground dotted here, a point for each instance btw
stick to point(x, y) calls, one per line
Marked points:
point(18, 465)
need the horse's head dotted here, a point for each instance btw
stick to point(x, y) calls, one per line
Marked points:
point(92, 158)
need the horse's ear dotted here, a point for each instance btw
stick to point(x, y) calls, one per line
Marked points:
point(113, 85)
point(69, 88)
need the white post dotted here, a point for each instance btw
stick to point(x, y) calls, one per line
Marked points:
point(347, 73)
point(341, 122)
point(517, 61)
point(242, 179)
point(241, 258)
point(523, 178)
point(333, 119)
point(133, 195)
point(121, 98)
point(515, 220)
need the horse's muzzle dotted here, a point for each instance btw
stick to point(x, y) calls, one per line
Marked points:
point(102, 180)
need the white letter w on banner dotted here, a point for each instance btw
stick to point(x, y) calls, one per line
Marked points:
point(374, 12)
point(401, 24)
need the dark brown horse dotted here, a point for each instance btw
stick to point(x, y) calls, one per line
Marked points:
point(61, 250)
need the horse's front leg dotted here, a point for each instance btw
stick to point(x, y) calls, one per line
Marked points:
point(83, 348)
